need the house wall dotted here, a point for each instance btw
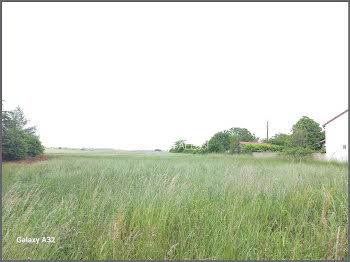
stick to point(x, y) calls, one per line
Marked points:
point(336, 137)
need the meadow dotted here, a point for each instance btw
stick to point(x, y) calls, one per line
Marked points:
point(137, 205)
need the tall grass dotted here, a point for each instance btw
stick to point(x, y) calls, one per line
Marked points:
point(174, 206)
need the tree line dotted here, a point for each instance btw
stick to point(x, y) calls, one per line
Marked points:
point(18, 140)
point(305, 138)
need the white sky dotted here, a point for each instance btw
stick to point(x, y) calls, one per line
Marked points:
point(143, 75)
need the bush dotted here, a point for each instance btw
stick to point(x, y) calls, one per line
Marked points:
point(250, 148)
point(234, 144)
point(14, 145)
point(178, 147)
point(279, 139)
point(243, 134)
point(18, 141)
point(193, 151)
point(204, 148)
point(297, 152)
point(34, 146)
point(183, 148)
point(220, 142)
point(298, 138)
point(312, 132)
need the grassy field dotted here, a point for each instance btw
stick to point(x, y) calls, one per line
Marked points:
point(125, 205)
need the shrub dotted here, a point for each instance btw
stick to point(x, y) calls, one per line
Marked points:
point(244, 134)
point(193, 151)
point(312, 131)
point(181, 147)
point(205, 148)
point(176, 150)
point(297, 151)
point(178, 147)
point(234, 144)
point(298, 138)
point(220, 142)
point(190, 147)
point(279, 139)
point(18, 140)
point(250, 148)
point(14, 146)
point(34, 146)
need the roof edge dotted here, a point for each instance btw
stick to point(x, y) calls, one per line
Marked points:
point(335, 118)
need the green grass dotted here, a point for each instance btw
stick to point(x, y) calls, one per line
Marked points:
point(123, 205)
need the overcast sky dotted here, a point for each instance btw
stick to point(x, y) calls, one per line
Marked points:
point(143, 75)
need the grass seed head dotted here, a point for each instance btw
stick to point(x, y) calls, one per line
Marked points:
point(336, 244)
point(329, 255)
point(343, 245)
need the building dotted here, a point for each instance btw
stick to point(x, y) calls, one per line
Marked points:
point(337, 137)
point(254, 143)
point(322, 143)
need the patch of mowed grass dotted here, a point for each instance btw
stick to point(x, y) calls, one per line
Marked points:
point(175, 206)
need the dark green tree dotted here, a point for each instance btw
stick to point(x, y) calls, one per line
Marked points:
point(234, 144)
point(298, 138)
point(14, 145)
point(220, 142)
point(34, 145)
point(243, 134)
point(205, 147)
point(179, 146)
point(313, 132)
point(279, 139)
point(18, 140)
point(180, 143)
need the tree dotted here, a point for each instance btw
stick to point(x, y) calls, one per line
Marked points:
point(14, 146)
point(234, 144)
point(7, 121)
point(179, 146)
point(205, 147)
point(298, 138)
point(16, 119)
point(313, 132)
point(34, 145)
point(279, 139)
point(243, 134)
point(220, 142)
point(18, 140)
point(190, 146)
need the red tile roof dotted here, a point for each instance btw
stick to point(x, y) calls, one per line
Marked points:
point(254, 143)
point(335, 117)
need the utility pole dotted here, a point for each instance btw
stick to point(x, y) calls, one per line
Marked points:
point(267, 132)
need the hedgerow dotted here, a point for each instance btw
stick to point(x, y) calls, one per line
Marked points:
point(297, 151)
point(250, 148)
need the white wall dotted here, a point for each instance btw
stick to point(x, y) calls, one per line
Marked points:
point(336, 137)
